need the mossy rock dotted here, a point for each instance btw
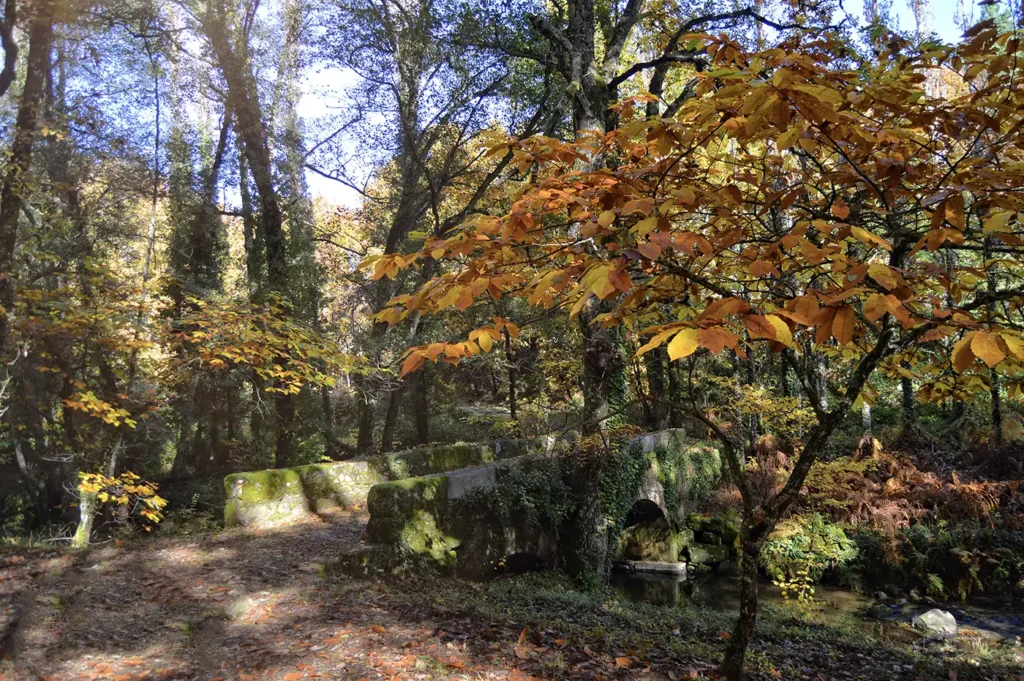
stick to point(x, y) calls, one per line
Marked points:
point(652, 542)
point(320, 487)
point(402, 497)
point(707, 554)
point(431, 460)
point(379, 560)
point(712, 538)
point(684, 538)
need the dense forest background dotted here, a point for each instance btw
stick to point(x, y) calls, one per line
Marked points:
point(178, 303)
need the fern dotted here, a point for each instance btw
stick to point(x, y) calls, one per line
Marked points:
point(935, 586)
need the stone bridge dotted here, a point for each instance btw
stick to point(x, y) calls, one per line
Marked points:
point(539, 509)
point(284, 495)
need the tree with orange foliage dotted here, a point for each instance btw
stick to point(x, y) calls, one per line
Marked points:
point(831, 210)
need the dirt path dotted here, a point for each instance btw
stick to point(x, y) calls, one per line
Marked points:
point(233, 606)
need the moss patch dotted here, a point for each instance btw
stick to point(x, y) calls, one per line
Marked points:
point(262, 486)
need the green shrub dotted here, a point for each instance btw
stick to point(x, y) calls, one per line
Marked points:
point(801, 549)
point(961, 561)
point(15, 516)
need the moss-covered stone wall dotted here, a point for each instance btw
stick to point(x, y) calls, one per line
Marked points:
point(429, 520)
point(280, 496)
point(435, 521)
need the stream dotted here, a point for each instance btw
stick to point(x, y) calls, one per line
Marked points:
point(888, 618)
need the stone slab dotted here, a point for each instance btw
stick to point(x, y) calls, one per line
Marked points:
point(651, 566)
point(463, 481)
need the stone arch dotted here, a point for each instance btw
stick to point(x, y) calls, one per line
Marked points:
point(652, 491)
point(644, 511)
point(647, 534)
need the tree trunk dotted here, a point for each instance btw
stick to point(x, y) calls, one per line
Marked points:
point(997, 409)
point(87, 505)
point(736, 652)
point(784, 375)
point(15, 182)
point(422, 406)
point(655, 368)
point(367, 405)
point(755, 419)
point(991, 286)
point(512, 371)
point(907, 390)
point(387, 435)
point(330, 437)
point(604, 373)
point(675, 392)
point(243, 99)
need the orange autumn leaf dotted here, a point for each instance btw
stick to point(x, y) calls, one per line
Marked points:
point(843, 323)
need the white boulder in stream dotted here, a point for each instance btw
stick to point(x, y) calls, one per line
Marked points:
point(936, 621)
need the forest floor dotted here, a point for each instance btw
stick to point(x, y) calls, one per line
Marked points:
point(247, 606)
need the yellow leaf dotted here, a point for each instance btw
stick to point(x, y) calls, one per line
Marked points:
point(790, 137)
point(437, 253)
point(485, 342)
point(782, 332)
point(657, 341)
point(606, 218)
point(821, 93)
point(883, 275)
point(985, 346)
point(997, 222)
point(867, 237)
point(875, 307)
point(646, 226)
point(683, 344)
point(1014, 344)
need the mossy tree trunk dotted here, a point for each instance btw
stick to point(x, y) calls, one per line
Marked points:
point(604, 373)
point(387, 434)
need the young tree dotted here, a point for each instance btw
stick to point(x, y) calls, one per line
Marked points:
point(798, 202)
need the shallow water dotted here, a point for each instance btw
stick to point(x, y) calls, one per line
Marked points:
point(830, 606)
